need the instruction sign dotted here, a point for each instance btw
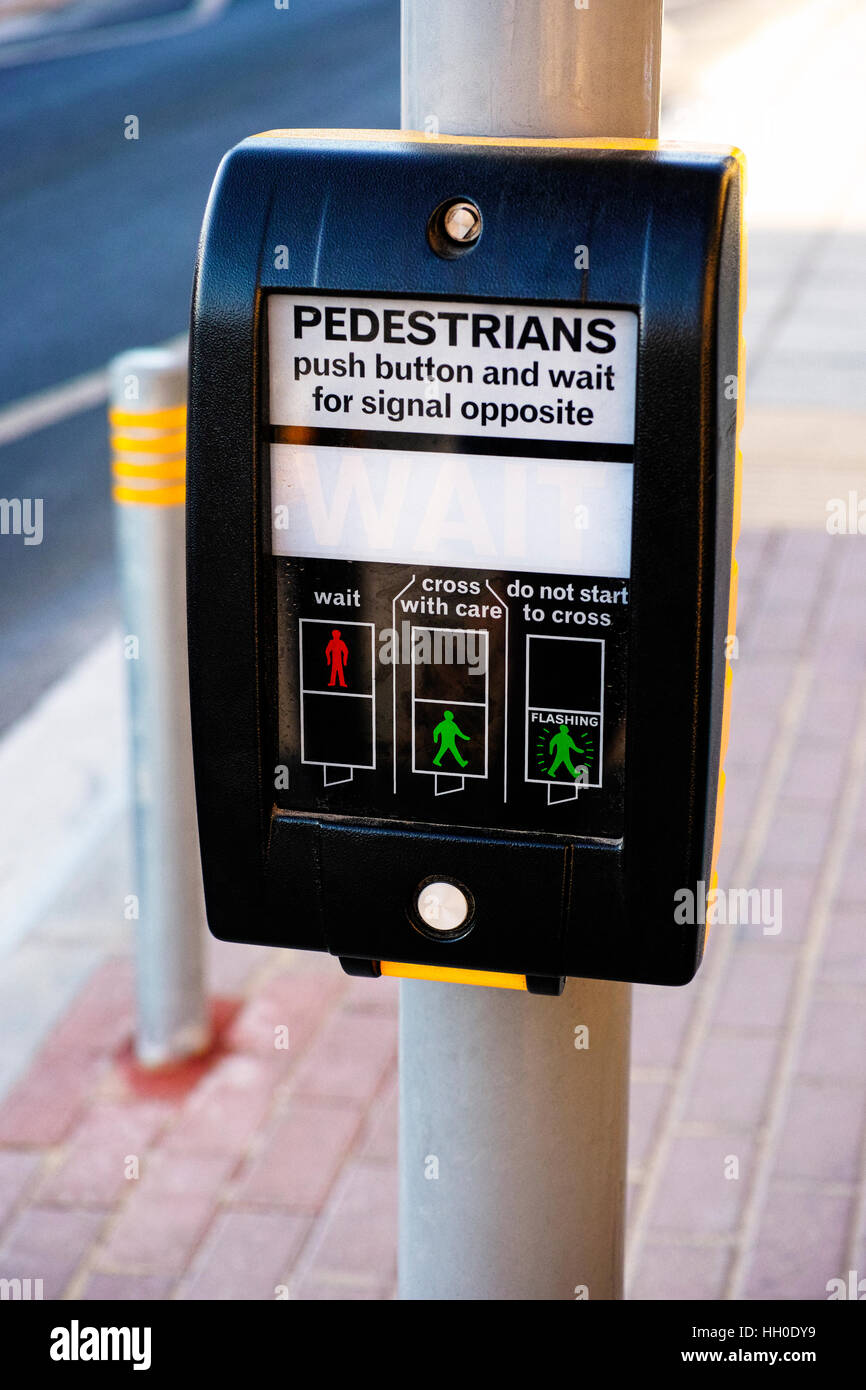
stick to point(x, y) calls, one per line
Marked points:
point(447, 367)
point(450, 522)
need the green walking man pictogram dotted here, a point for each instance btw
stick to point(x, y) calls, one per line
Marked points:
point(445, 734)
point(563, 745)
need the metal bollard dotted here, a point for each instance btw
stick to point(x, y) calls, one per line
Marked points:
point(147, 415)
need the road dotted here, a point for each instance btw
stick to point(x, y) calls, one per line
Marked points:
point(97, 243)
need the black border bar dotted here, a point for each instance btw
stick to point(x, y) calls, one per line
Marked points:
point(450, 443)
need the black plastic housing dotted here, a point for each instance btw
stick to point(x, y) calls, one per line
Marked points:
point(663, 226)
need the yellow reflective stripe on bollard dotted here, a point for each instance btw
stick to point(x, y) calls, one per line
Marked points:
point(167, 444)
point(151, 497)
point(148, 447)
point(171, 468)
point(493, 979)
point(174, 418)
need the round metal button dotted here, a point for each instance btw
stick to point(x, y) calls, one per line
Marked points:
point(442, 906)
point(462, 222)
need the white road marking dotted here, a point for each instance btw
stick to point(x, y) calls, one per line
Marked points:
point(45, 408)
point(37, 50)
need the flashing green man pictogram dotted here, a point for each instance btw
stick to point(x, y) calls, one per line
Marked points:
point(563, 745)
point(445, 734)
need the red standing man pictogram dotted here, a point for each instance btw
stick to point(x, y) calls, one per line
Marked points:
point(336, 655)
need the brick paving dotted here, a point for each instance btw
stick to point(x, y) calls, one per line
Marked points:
point(270, 1171)
point(751, 1184)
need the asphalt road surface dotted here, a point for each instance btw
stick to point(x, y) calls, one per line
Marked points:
point(97, 244)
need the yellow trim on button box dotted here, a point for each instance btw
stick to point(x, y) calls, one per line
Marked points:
point(493, 979)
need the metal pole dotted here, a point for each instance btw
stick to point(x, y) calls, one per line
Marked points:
point(532, 67)
point(513, 1133)
point(148, 439)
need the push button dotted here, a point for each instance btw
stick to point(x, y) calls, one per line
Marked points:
point(442, 906)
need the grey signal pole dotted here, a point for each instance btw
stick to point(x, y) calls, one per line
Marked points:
point(514, 1107)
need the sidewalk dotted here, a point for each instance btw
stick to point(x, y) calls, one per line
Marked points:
point(265, 1168)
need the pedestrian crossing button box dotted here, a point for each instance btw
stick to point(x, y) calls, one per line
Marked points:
point(462, 511)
